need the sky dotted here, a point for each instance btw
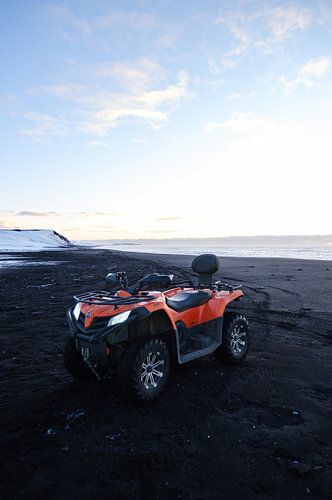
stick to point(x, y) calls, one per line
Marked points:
point(166, 119)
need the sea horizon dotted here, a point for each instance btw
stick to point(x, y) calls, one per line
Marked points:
point(295, 247)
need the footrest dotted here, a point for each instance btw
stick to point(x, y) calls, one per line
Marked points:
point(199, 340)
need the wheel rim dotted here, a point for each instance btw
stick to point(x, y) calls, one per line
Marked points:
point(238, 339)
point(152, 370)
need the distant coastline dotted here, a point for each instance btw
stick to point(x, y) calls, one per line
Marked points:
point(287, 241)
point(289, 247)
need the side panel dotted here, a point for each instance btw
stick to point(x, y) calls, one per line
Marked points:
point(214, 308)
point(201, 340)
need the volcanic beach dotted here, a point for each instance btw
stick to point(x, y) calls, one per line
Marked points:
point(259, 430)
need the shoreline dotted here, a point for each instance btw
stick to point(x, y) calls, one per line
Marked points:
point(151, 255)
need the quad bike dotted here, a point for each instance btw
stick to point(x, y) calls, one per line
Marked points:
point(138, 331)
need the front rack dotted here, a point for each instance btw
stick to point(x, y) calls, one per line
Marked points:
point(100, 297)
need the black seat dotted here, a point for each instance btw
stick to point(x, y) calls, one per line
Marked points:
point(186, 300)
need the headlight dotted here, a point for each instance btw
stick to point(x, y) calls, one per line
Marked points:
point(77, 310)
point(118, 318)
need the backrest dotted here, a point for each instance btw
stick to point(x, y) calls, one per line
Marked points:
point(205, 265)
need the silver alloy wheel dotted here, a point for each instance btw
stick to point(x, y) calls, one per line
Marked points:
point(238, 340)
point(150, 375)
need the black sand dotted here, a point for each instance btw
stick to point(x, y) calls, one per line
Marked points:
point(260, 430)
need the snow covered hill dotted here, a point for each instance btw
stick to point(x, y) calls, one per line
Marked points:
point(31, 240)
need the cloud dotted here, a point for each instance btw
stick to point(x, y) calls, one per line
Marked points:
point(29, 213)
point(8, 100)
point(63, 90)
point(107, 214)
point(262, 29)
point(136, 21)
point(307, 75)
point(134, 75)
point(93, 214)
point(171, 93)
point(66, 23)
point(236, 96)
point(168, 218)
point(214, 83)
point(44, 125)
point(284, 21)
point(168, 36)
point(238, 122)
point(162, 231)
point(95, 110)
point(141, 106)
point(100, 122)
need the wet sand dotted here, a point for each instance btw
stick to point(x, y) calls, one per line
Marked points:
point(259, 430)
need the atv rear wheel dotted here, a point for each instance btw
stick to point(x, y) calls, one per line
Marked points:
point(144, 368)
point(236, 338)
point(74, 363)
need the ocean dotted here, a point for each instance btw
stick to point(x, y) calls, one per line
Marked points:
point(312, 253)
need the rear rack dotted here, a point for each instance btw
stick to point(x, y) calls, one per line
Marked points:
point(225, 286)
point(100, 297)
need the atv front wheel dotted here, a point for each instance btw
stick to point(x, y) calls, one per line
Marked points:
point(144, 368)
point(236, 338)
point(74, 363)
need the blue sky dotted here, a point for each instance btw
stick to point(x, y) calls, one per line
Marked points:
point(166, 119)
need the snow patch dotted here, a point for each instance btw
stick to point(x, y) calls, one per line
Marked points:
point(31, 240)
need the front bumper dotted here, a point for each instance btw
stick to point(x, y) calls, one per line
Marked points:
point(92, 342)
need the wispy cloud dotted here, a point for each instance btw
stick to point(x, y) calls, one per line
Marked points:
point(241, 123)
point(132, 26)
point(262, 29)
point(106, 214)
point(43, 126)
point(310, 73)
point(162, 231)
point(101, 122)
point(171, 93)
point(35, 213)
point(168, 218)
point(236, 96)
point(213, 83)
point(30, 213)
point(62, 90)
point(137, 21)
point(67, 23)
point(7, 99)
point(98, 214)
point(283, 23)
point(134, 75)
point(137, 94)
point(138, 106)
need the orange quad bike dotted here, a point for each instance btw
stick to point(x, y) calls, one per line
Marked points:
point(139, 331)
